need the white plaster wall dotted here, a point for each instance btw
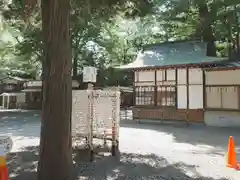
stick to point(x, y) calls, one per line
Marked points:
point(171, 75)
point(160, 75)
point(195, 76)
point(222, 118)
point(182, 76)
point(195, 96)
point(146, 75)
point(223, 77)
point(182, 97)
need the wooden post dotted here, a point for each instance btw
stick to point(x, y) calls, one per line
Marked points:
point(90, 135)
point(8, 102)
point(114, 132)
point(89, 76)
point(187, 120)
point(3, 101)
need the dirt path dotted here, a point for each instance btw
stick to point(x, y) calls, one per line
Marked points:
point(147, 152)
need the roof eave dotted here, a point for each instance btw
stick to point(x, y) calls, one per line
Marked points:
point(201, 65)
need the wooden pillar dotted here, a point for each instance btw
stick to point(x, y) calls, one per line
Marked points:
point(134, 89)
point(204, 90)
point(8, 101)
point(155, 88)
point(187, 83)
point(204, 94)
point(3, 101)
point(176, 87)
point(90, 117)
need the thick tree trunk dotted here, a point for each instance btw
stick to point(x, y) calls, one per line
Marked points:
point(75, 52)
point(75, 65)
point(238, 32)
point(207, 31)
point(55, 145)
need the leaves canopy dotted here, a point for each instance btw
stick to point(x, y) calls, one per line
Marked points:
point(110, 32)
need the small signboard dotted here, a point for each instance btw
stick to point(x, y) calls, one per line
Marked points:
point(89, 74)
point(6, 144)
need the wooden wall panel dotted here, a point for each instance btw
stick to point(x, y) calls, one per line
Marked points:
point(195, 96)
point(168, 114)
point(146, 75)
point(182, 97)
point(182, 76)
point(160, 75)
point(223, 77)
point(195, 76)
point(171, 75)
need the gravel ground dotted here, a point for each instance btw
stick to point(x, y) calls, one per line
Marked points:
point(163, 152)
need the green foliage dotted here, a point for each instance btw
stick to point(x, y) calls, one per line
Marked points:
point(107, 33)
point(205, 19)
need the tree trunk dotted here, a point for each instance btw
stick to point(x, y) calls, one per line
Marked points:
point(75, 52)
point(55, 145)
point(238, 32)
point(75, 64)
point(207, 31)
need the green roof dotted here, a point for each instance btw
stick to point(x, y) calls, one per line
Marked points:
point(172, 54)
point(229, 64)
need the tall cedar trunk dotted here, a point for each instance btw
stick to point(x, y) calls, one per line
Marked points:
point(238, 32)
point(207, 31)
point(55, 146)
point(75, 63)
point(75, 53)
point(238, 41)
point(229, 30)
point(42, 79)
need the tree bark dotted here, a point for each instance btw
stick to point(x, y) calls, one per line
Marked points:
point(55, 145)
point(75, 51)
point(207, 31)
point(238, 32)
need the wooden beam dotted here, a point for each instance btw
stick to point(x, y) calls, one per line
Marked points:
point(204, 90)
point(187, 83)
point(176, 88)
point(155, 88)
point(223, 69)
point(223, 85)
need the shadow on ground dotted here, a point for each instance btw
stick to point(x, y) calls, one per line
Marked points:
point(22, 166)
point(194, 134)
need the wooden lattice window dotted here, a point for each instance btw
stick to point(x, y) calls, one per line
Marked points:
point(166, 96)
point(144, 95)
